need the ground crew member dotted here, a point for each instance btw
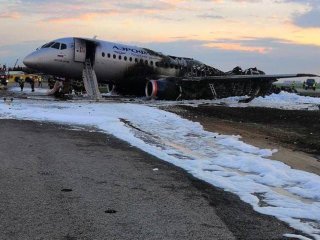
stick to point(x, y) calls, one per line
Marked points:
point(32, 84)
point(30, 80)
point(21, 83)
point(39, 82)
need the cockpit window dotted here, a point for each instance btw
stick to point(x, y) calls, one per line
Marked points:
point(63, 46)
point(47, 45)
point(56, 46)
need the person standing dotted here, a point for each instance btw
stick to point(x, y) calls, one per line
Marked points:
point(32, 84)
point(21, 83)
point(40, 82)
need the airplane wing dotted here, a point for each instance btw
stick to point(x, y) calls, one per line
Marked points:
point(273, 77)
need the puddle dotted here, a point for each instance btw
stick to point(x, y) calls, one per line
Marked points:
point(110, 211)
point(66, 190)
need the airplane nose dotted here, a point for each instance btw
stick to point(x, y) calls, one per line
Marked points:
point(30, 61)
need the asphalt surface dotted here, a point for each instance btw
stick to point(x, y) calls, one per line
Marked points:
point(58, 183)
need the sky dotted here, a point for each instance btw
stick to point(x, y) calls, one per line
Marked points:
point(277, 36)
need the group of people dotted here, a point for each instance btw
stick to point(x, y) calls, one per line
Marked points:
point(29, 79)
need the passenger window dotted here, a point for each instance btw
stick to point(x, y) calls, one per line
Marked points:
point(136, 60)
point(151, 63)
point(63, 46)
point(56, 46)
point(141, 60)
point(114, 56)
point(120, 57)
point(109, 55)
point(157, 64)
point(130, 59)
point(146, 62)
point(103, 54)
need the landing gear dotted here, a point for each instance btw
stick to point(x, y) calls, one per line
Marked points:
point(255, 92)
point(110, 87)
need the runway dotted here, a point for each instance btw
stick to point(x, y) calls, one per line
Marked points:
point(58, 183)
point(211, 152)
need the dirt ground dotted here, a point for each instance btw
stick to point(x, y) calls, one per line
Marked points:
point(296, 134)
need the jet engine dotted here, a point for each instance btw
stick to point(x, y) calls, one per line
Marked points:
point(164, 88)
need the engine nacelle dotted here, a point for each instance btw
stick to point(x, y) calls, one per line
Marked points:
point(163, 89)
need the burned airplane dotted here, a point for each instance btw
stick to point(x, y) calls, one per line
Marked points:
point(138, 71)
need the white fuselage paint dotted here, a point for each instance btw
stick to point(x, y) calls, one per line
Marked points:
point(111, 60)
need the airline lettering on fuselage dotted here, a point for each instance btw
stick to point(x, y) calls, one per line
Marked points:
point(123, 50)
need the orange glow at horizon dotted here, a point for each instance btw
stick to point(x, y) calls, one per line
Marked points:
point(239, 26)
point(237, 47)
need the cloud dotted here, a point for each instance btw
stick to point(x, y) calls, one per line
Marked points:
point(160, 5)
point(207, 21)
point(246, 44)
point(281, 56)
point(88, 16)
point(248, 1)
point(304, 2)
point(165, 18)
point(82, 10)
point(240, 1)
point(310, 18)
point(59, 11)
point(11, 15)
point(237, 47)
point(211, 16)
